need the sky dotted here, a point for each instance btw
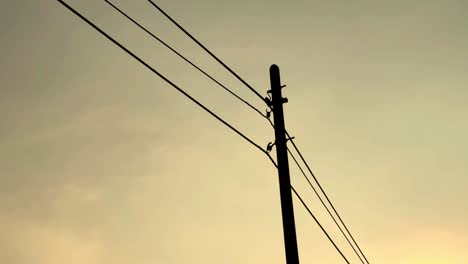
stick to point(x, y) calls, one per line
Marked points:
point(103, 162)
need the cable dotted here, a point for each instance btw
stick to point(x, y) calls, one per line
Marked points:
point(318, 223)
point(184, 58)
point(161, 76)
point(324, 205)
point(208, 51)
point(321, 200)
point(196, 102)
point(326, 196)
point(313, 216)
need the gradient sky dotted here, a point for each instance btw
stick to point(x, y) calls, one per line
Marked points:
point(102, 162)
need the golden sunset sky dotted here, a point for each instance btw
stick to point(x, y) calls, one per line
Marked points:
point(102, 162)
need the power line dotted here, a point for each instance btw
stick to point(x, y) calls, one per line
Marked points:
point(208, 51)
point(161, 76)
point(252, 89)
point(313, 216)
point(326, 196)
point(248, 86)
point(184, 58)
point(204, 107)
point(324, 205)
point(320, 225)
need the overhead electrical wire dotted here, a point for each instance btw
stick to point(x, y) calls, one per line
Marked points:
point(204, 107)
point(161, 76)
point(320, 225)
point(326, 197)
point(313, 217)
point(206, 49)
point(323, 203)
point(260, 96)
point(183, 57)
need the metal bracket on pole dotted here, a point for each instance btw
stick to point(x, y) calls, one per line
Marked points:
point(270, 146)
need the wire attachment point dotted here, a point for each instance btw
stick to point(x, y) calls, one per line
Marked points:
point(270, 146)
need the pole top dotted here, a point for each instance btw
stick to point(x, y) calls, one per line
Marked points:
point(274, 68)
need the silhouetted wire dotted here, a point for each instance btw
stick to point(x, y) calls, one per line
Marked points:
point(320, 198)
point(198, 103)
point(324, 205)
point(313, 216)
point(227, 68)
point(207, 50)
point(184, 58)
point(326, 196)
point(222, 63)
point(162, 76)
point(318, 223)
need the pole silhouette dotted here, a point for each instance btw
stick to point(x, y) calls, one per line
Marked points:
point(276, 105)
point(287, 210)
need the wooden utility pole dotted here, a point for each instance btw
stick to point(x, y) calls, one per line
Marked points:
point(287, 210)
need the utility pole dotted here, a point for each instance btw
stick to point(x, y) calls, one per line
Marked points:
point(287, 210)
